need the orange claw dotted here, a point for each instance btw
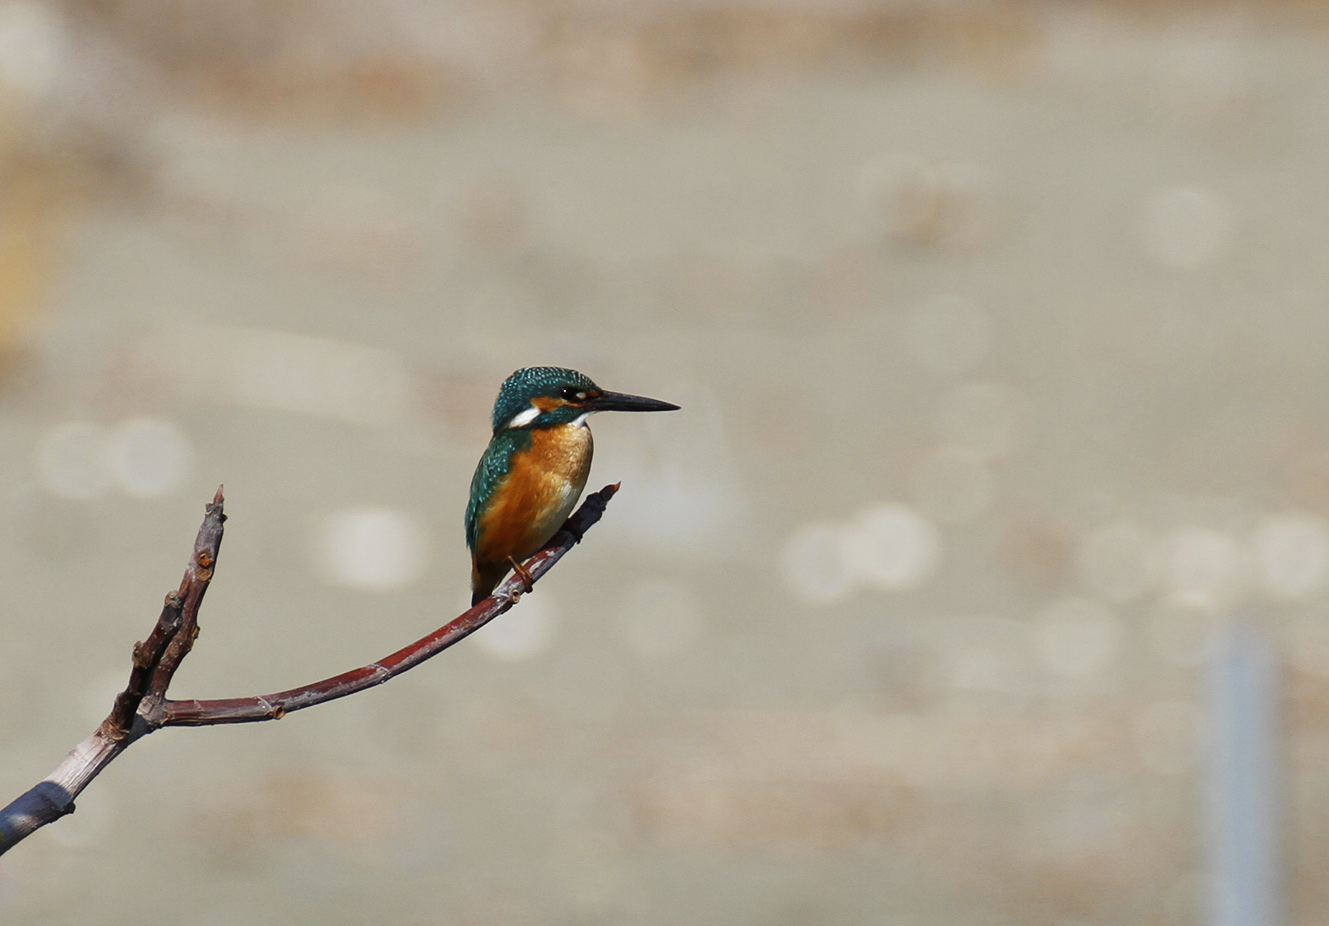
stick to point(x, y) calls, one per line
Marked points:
point(522, 574)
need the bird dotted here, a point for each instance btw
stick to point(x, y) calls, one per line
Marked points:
point(535, 467)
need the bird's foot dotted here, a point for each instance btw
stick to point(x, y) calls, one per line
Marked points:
point(527, 581)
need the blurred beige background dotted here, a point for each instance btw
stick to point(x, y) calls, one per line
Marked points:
point(1001, 334)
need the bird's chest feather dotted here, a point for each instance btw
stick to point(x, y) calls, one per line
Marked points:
point(543, 483)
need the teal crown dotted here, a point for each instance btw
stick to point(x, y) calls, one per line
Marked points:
point(514, 396)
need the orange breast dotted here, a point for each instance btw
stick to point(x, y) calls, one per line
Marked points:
point(538, 494)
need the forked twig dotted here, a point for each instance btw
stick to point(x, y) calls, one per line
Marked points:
point(143, 706)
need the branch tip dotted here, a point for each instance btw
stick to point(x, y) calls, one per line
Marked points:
point(143, 706)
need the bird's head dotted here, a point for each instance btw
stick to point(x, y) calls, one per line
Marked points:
point(545, 397)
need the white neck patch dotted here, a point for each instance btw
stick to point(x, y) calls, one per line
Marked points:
point(580, 420)
point(523, 418)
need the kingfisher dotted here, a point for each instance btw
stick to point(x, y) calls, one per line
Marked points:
point(535, 467)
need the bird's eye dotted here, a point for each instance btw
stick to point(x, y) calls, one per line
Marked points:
point(573, 394)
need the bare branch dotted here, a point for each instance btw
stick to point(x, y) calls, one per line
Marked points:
point(190, 594)
point(147, 657)
point(157, 658)
point(143, 706)
point(154, 662)
point(276, 706)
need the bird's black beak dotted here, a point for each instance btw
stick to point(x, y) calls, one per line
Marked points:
point(619, 402)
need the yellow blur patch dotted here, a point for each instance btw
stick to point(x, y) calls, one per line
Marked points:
point(28, 222)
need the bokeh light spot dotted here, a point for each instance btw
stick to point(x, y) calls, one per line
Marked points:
point(1206, 568)
point(522, 633)
point(892, 547)
point(814, 564)
point(1292, 553)
point(373, 549)
point(149, 456)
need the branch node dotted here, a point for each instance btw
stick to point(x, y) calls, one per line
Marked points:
point(273, 710)
point(143, 706)
point(171, 610)
point(61, 807)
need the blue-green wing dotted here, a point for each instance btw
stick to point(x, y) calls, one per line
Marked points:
point(492, 469)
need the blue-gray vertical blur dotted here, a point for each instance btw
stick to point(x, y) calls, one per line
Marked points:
point(1001, 331)
point(1242, 780)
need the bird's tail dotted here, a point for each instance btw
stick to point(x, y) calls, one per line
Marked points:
point(484, 579)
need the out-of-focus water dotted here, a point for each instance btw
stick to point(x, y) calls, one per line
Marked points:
point(1001, 336)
